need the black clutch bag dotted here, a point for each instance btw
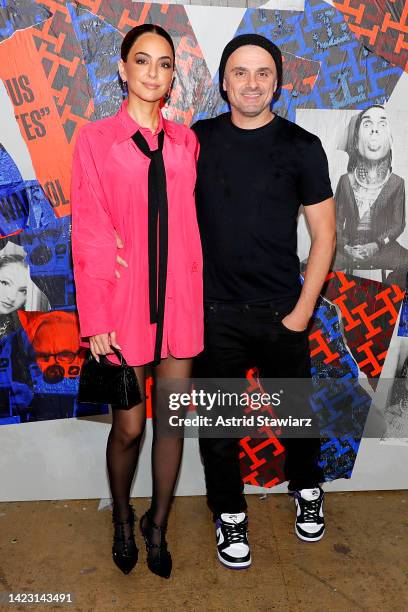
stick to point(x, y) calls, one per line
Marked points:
point(108, 383)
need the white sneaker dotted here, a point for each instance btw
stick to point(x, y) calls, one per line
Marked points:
point(309, 524)
point(232, 540)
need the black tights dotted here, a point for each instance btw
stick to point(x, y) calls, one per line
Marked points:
point(122, 451)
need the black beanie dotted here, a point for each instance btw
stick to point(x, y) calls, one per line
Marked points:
point(250, 39)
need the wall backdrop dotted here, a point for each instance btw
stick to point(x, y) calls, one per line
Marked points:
point(58, 71)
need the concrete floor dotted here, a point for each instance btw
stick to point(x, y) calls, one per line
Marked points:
point(361, 563)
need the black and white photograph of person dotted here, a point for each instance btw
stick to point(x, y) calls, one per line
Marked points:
point(368, 161)
point(370, 202)
point(17, 290)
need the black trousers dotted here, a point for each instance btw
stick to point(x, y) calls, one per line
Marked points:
point(238, 337)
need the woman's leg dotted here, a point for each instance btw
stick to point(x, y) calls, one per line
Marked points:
point(122, 451)
point(166, 451)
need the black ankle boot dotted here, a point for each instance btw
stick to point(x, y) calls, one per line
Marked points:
point(158, 557)
point(124, 549)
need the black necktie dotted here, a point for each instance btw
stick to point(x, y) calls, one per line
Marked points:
point(157, 212)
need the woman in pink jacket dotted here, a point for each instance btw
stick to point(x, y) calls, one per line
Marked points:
point(134, 178)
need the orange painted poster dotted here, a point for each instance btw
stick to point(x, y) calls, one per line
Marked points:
point(37, 117)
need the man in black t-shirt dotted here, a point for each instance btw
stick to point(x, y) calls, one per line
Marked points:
point(255, 169)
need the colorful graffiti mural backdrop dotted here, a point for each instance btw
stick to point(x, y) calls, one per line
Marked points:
point(58, 71)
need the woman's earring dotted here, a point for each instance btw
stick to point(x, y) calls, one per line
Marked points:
point(167, 97)
point(124, 88)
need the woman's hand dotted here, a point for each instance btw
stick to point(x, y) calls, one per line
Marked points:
point(119, 259)
point(101, 344)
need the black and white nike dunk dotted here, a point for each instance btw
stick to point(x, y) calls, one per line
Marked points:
point(232, 540)
point(309, 524)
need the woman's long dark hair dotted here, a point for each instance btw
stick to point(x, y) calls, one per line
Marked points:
point(355, 157)
point(135, 33)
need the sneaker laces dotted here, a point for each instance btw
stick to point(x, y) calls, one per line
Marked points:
point(310, 510)
point(235, 532)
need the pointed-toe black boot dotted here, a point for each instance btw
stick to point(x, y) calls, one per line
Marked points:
point(124, 549)
point(158, 557)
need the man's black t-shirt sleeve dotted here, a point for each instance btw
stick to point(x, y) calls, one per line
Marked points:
point(314, 180)
point(195, 126)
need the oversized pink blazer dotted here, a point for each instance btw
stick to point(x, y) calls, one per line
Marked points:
point(109, 192)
